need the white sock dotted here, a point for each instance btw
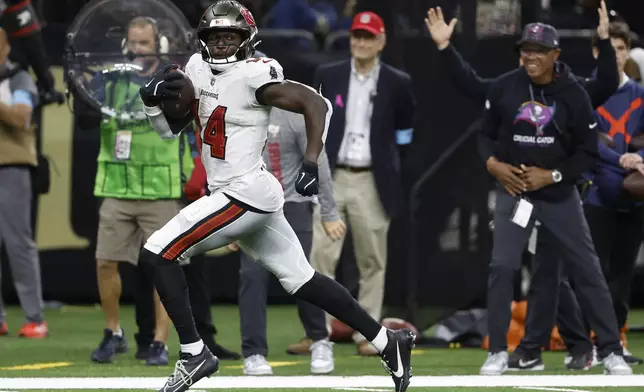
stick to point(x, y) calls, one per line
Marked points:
point(193, 348)
point(381, 340)
point(119, 333)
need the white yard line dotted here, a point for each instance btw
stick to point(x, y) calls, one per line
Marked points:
point(552, 389)
point(300, 382)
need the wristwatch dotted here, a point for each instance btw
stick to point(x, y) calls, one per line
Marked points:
point(556, 176)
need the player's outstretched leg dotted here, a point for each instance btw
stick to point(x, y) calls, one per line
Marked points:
point(208, 223)
point(277, 247)
point(195, 360)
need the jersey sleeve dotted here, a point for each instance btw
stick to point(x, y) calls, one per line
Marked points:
point(261, 72)
point(192, 70)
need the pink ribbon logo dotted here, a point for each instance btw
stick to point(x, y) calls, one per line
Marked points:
point(338, 101)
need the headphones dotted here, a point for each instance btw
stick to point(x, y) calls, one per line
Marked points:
point(162, 43)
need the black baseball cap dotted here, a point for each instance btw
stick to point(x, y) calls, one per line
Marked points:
point(540, 34)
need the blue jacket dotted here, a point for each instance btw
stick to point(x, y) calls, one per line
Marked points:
point(621, 117)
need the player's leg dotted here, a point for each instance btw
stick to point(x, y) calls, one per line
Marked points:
point(566, 221)
point(622, 264)
point(152, 216)
point(313, 318)
point(118, 241)
point(509, 241)
point(21, 248)
point(144, 308)
point(253, 290)
point(276, 246)
point(542, 304)
point(208, 223)
point(198, 289)
point(570, 322)
point(369, 227)
point(324, 257)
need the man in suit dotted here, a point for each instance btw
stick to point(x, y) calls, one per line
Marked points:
point(373, 114)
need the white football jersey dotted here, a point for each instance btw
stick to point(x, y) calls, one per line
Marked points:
point(233, 127)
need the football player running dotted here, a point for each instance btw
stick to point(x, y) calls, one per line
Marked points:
point(233, 95)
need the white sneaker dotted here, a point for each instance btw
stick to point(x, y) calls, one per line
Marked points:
point(322, 357)
point(495, 364)
point(615, 364)
point(256, 365)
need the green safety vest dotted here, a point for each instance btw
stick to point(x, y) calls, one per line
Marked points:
point(154, 168)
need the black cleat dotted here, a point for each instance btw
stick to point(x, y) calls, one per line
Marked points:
point(582, 361)
point(189, 369)
point(396, 357)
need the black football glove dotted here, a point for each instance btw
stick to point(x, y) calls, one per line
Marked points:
point(163, 86)
point(306, 183)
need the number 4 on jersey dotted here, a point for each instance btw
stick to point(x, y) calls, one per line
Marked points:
point(214, 134)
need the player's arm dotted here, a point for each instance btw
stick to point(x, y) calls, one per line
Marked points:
point(490, 124)
point(467, 81)
point(328, 209)
point(298, 98)
point(164, 85)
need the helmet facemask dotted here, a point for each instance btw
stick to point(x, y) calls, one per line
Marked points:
point(219, 54)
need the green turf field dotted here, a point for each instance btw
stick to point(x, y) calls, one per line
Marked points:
point(61, 362)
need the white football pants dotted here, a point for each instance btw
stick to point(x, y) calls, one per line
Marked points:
point(214, 221)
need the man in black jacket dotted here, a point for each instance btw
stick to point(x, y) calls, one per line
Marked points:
point(538, 136)
point(547, 288)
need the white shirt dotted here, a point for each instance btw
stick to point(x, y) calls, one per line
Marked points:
point(233, 128)
point(355, 150)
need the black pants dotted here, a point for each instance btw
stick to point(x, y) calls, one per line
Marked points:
point(253, 290)
point(566, 222)
point(195, 273)
point(617, 237)
point(550, 299)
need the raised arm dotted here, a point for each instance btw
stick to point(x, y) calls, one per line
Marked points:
point(461, 73)
point(606, 82)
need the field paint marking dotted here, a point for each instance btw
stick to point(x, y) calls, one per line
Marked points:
point(272, 363)
point(362, 389)
point(38, 366)
point(300, 382)
point(552, 389)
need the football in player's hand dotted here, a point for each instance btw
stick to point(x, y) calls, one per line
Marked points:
point(178, 108)
point(634, 184)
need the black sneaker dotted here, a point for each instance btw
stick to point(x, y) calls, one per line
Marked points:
point(109, 347)
point(396, 357)
point(142, 345)
point(189, 369)
point(157, 354)
point(219, 351)
point(520, 360)
point(633, 360)
point(580, 361)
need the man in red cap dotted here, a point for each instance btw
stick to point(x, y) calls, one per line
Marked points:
point(372, 117)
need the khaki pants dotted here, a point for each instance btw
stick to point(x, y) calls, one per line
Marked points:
point(359, 205)
point(125, 225)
